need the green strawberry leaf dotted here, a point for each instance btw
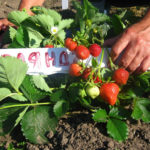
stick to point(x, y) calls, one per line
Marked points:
point(130, 93)
point(18, 97)
point(41, 10)
point(141, 109)
point(58, 95)
point(35, 38)
point(62, 35)
point(94, 62)
point(86, 102)
point(100, 115)
point(15, 44)
point(12, 71)
point(82, 25)
point(56, 80)
point(106, 73)
point(117, 129)
point(137, 113)
point(119, 113)
point(20, 116)
point(100, 18)
point(90, 13)
point(4, 92)
point(144, 80)
point(22, 37)
point(64, 24)
point(8, 117)
point(60, 108)
point(40, 83)
point(16, 17)
point(74, 91)
point(12, 32)
point(44, 21)
point(103, 30)
point(30, 91)
point(37, 122)
point(118, 25)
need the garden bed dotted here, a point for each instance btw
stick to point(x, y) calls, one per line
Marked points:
point(76, 130)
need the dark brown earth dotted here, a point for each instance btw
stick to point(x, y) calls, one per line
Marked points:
point(77, 131)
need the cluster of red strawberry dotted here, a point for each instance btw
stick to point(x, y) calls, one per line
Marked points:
point(81, 51)
point(109, 91)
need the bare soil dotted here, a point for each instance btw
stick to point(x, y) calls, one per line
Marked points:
point(77, 130)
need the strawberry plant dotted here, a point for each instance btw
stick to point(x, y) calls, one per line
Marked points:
point(112, 95)
point(46, 27)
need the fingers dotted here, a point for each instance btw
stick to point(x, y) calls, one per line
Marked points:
point(135, 63)
point(121, 44)
point(132, 56)
point(4, 23)
point(144, 65)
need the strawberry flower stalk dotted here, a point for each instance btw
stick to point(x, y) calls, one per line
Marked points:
point(98, 68)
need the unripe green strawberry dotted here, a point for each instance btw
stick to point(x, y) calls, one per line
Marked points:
point(92, 91)
point(109, 92)
point(121, 76)
point(95, 50)
point(82, 52)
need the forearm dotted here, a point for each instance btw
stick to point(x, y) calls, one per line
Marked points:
point(27, 4)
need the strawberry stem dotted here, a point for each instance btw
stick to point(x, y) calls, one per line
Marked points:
point(23, 105)
point(112, 65)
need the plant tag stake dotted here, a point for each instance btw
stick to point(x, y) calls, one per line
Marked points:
point(64, 4)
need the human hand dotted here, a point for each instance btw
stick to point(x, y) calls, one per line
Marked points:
point(4, 23)
point(134, 43)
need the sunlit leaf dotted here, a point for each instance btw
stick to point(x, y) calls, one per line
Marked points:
point(37, 122)
point(117, 129)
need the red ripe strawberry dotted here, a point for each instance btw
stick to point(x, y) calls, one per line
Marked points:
point(82, 52)
point(121, 76)
point(86, 73)
point(97, 80)
point(75, 69)
point(49, 46)
point(70, 44)
point(109, 92)
point(95, 50)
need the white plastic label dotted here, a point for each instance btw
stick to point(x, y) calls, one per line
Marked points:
point(48, 60)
